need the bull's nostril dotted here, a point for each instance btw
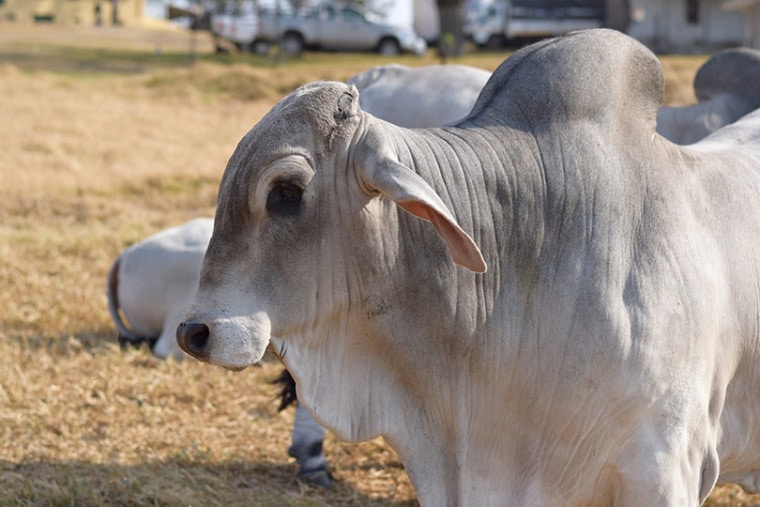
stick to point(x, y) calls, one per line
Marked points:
point(193, 338)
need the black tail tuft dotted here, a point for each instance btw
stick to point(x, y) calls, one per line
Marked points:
point(288, 394)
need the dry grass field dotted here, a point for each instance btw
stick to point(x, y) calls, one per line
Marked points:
point(108, 136)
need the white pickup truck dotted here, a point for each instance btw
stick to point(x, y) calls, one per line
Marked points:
point(494, 23)
point(238, 26)
point(329, 26)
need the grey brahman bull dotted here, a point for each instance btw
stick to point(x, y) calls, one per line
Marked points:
point(545, 303)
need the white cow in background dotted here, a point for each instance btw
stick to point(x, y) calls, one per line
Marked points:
point(153, 281)
point(420, 96)
point(546, 303)
point(727, 87)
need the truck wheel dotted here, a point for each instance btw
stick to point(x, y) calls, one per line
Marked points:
point(260, 47)
point(388, 47)
point(495, 41)
point(291, 44)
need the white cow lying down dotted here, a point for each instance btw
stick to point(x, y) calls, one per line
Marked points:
point(545, 303)
point(727, 87)
point(152, 282)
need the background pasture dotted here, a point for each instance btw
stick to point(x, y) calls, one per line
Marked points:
point(108, 136)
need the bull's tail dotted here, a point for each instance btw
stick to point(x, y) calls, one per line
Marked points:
point(126, 335)
point(287, 389)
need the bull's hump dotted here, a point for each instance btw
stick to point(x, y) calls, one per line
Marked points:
point(599, 73)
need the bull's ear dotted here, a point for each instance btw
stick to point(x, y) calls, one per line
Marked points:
point(412, 194)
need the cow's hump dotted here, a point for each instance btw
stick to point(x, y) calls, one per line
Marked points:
point(597, 74)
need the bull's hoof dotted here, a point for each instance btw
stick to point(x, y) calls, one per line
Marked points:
point(318, 477)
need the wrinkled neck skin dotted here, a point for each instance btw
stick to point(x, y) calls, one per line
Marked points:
point(395, 352)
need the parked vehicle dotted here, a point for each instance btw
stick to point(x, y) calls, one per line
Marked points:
point(237, 24)
point(494, 24)
point(328, 26)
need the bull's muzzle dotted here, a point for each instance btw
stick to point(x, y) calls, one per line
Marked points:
point(192, 337)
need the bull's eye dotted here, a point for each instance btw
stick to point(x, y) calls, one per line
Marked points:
point(284, 199)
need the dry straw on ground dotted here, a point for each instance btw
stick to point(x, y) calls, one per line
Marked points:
point(105, 143)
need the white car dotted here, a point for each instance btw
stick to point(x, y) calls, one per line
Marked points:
point(329, 26)
point(238, 25)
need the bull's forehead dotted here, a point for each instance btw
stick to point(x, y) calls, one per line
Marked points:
point(311, 113)
point(304, 122)
point(310, 122)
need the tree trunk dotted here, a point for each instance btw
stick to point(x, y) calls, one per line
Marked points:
point(115, 20)
point(617, 14)
point(451, 38)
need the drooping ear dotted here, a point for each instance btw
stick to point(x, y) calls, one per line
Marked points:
point(412, 194)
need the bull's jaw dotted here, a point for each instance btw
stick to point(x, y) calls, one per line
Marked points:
point(233, 342)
